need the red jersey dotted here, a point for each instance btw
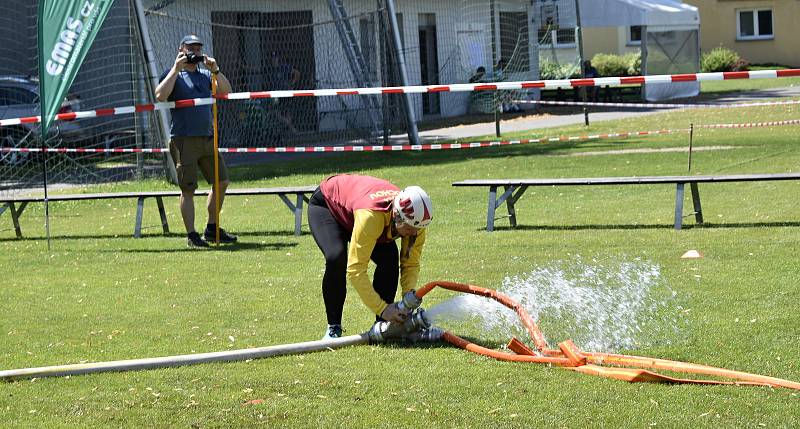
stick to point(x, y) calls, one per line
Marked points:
point(346, 193)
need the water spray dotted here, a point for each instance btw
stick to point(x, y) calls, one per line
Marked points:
point(608, 365)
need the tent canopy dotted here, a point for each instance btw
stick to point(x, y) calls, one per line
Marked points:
point(616, 13)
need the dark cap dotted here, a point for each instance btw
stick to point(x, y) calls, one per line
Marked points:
point(191, 40)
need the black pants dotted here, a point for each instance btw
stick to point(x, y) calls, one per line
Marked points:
point(332, 239)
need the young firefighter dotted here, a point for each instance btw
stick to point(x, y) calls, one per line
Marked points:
point(355, 219)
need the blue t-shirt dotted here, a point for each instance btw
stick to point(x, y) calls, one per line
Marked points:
point(191, 121)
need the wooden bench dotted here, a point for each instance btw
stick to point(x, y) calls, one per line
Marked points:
point(296, 207)
point(514, 188)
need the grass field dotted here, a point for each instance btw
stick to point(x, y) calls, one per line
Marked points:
point(721, 87)
point(101, 295)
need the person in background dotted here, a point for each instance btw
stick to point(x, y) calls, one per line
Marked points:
point(191, 144)
point(504, 98)
point(282, 76)
point(355, 219)
point(479, 75)
point(590, 72)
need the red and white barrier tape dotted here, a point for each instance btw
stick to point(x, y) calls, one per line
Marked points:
point(422, 89)
point(559, 83)
point(752, 125)
point(112, 111)
point(395, 148)
point(658, 105)
point(359, 148)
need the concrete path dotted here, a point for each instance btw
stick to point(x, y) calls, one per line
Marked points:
point(531, 122)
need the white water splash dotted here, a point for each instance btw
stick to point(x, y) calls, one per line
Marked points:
point(606, 307)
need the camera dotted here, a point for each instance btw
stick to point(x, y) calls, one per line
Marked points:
point(193, 58)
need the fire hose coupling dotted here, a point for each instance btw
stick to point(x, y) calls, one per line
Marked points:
point(417, 321)
point(416, 328)
point(410, 301)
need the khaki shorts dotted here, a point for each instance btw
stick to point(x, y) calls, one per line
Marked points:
point(191, 153)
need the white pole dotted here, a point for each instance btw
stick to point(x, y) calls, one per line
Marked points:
point(413, 134)
point(149, 57)
point(191, 359)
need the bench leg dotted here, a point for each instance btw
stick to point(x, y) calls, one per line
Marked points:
point(163, 214)
point(679, 206)
point(509, 197)
point(137, 229)
point(297, 209)
point(512, 213)
point(698, 210)
point(3, 209)
point(492, 206)
point(298, 215)
point(15, 214)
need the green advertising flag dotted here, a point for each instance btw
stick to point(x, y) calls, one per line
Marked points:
point(67, 29)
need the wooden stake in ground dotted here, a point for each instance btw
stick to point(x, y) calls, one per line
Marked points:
point(215, 191)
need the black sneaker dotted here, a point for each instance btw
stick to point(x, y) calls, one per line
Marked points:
point(333, 331)
point(194, 240)
point(224, 237)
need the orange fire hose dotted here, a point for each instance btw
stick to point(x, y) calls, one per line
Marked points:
point(571, 357)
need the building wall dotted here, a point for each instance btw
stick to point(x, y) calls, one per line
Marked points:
point(607, 40)
point(718, 28)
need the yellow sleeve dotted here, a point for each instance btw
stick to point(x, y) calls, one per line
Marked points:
point(368, 227)
point(409, 266)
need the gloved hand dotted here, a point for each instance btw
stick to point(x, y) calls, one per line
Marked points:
point(394, 313)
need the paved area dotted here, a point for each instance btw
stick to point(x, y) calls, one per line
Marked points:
point(531, 122)
point(524, 123)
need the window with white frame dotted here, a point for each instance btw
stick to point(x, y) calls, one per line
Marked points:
point(550, 32)
point(634, 35)
point(754, 24)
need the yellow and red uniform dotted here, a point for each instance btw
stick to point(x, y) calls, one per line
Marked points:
point(363, 205)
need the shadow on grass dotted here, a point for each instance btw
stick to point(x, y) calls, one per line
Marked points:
point(355, 161)
point(643, 226)
point(149, 236)
point(489, 344)
point(221, 248)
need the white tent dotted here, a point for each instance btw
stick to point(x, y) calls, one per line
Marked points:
point(615, 13)
point(670, 38)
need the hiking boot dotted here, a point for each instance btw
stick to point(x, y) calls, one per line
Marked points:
point(194, 240)
point(333, 331)
point(224, 236)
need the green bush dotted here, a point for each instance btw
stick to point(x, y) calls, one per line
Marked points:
point(549, 70)
point(616, 65)
point(721, 60)
point(634, 62)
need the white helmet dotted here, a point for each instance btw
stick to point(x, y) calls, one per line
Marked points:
point(413, 205)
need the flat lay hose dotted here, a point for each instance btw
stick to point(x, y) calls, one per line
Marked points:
point(571, 357)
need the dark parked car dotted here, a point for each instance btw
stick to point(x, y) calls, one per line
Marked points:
point(19, 97)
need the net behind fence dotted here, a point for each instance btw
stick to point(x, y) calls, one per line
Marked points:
point(556, 23)
point(269, 46)
point(112, 75)
point(265, 46)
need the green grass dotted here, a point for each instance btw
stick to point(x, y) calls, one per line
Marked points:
point(723, 87)
point(101, 295)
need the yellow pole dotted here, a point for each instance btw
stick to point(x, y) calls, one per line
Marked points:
point(216, 157)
